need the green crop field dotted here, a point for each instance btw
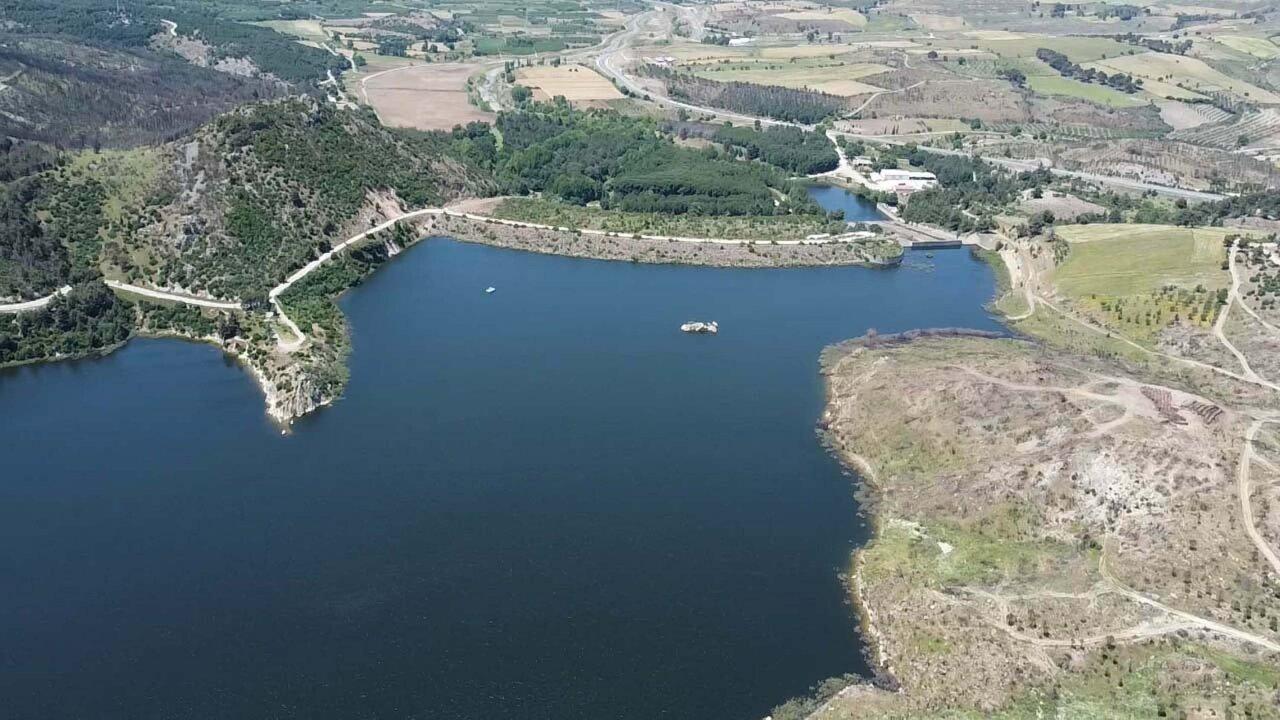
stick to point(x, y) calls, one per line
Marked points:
point(1140, 279)
point(1120, 260)
point(505, 46)
point(1101, 94)
point(1258, 47)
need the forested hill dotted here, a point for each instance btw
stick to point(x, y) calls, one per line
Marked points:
point(132, 24)
point(264, 189)
point(90, 73)
point(229, 211)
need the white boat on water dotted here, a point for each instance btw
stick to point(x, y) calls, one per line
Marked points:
point(490, 289)
point(701, 328)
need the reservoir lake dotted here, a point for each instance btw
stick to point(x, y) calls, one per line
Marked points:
point(544, 502)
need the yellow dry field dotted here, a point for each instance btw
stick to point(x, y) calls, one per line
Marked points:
point(431, 96)
point(1258, 47)
point(845, 15)
point(1172, 92)
point(305, 29)
point(1189, 72)
point(692, 53)
point(786, 52)
point(1197, 10)
point(575, 82)
point(735, 7)
point(611, 17)
point(889, 44)
point(939, 22)
point(906, 126)
point(835, 79)
point(996, 35)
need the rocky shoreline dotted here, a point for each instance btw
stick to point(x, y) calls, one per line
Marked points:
point(878, 252)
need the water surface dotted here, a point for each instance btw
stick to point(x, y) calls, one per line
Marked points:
point(856, 208)
point(545, 502)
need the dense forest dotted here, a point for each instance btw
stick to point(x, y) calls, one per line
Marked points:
point(624, 163)
point(790, 148)
point(80, 96)
point(90, 318)
point(782, 103)
point(132, 23)
point(32, 263)
point(48, 232)
point(85, 73)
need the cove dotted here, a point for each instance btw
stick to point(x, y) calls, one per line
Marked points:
point(855, 207)
point(544, 502)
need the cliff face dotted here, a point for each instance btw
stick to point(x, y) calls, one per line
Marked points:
point(291, 396)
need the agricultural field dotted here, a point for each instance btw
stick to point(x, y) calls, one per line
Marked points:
point(1259, 129)
point(1185, 116)
point(1077, 49)
point(576, 83)
point(897, 125)
point(1141, 278)
point(1136, 259)
point(852, 18)
point(312, 30)
point(431, 96)
point(790, 17)
point(837, 78)
point(1255, 46)
point(939, 22)
point(1069, 87)
point(1187, 73)
point(447, 31)
point(1172, 163)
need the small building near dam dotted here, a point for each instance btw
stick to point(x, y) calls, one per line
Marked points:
point(903, 181)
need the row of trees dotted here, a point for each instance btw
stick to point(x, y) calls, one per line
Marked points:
point(1063, 64)
point(782, 103)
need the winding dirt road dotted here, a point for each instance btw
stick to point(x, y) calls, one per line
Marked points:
point(29, 305)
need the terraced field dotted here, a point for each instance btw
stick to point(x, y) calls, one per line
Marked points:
point(1260, 129)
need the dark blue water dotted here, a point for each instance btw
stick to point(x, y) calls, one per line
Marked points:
point(542, 503)
point(856, 208)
